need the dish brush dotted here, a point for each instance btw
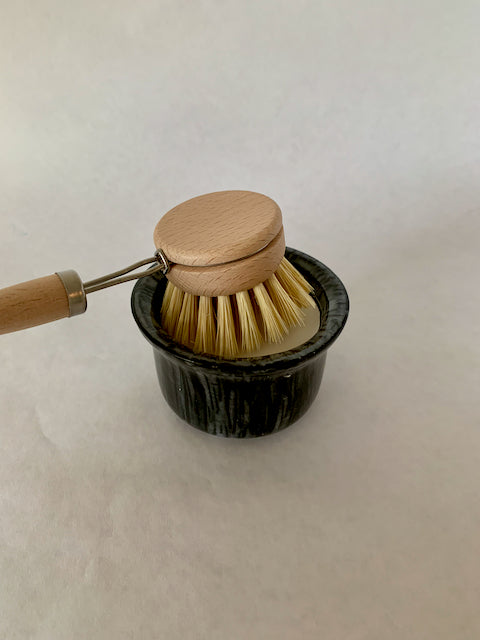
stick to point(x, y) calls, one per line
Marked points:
point(230, 287)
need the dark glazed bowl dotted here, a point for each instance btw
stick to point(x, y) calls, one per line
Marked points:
point(247, 397)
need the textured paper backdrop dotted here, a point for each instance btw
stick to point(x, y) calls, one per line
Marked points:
point(362, 521)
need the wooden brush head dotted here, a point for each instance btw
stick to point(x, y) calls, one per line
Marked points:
point(221, 243)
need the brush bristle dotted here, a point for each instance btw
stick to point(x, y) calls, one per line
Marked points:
point(274, 327)
point(171, 307)
point(226, 326)
point(294, 284)
point(206, 330)
point(226, 345)
point(250, 335)
point(289, 311)
point(187, 321)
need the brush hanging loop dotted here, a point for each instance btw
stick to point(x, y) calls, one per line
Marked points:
point(117, 277)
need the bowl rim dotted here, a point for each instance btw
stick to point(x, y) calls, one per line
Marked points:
point(318, 274)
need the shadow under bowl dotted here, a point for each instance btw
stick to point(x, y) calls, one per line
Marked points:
point(244, 397)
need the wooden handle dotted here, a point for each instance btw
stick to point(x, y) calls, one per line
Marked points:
point(35, 302)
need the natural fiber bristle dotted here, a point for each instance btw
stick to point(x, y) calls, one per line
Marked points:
point(187, 321)
point(250, 335)
point(226, 344)
point(294, 284)
point(296, 275)
point(206, 329)
point(167, 296)
point(289, 311)
point(273, 326)
point(171, 307)
point(226, 326)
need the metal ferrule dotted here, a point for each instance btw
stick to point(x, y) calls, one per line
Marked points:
point(77, 299)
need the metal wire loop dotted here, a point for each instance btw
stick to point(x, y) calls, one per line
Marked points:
point(160, 256)
point(117, 277)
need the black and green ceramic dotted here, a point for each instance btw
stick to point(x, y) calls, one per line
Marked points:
point(246, 397)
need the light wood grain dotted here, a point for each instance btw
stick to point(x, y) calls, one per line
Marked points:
point(230, 278)
point(218, 227)
point(31, 303)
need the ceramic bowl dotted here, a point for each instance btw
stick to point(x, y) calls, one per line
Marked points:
point(245, 397)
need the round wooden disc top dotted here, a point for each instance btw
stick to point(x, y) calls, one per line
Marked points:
point(218, 227)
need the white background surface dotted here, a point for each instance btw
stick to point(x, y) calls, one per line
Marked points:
point(363, 520)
